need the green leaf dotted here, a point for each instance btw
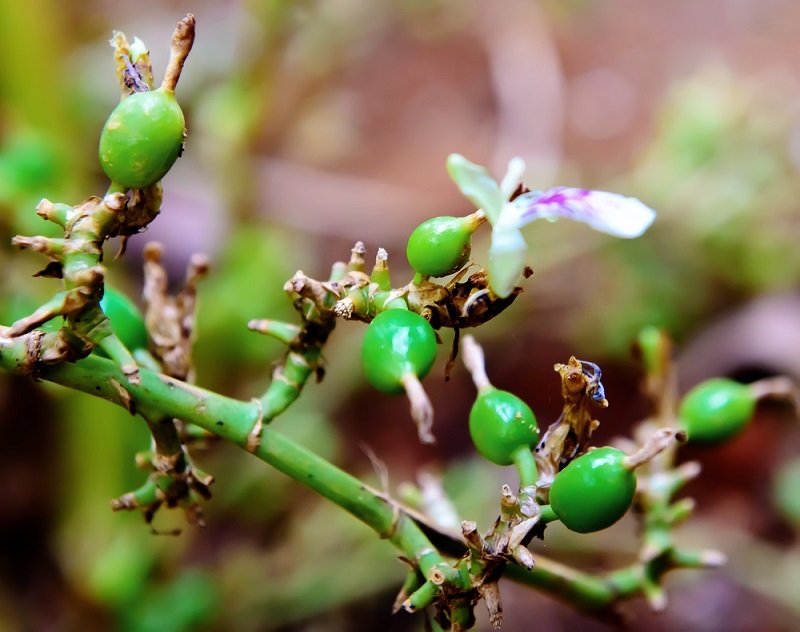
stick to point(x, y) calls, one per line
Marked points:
point(477, 185)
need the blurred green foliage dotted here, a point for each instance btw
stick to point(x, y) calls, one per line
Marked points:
point(786, 496)
point(716, 164)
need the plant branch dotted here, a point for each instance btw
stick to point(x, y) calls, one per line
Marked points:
point(234, 420)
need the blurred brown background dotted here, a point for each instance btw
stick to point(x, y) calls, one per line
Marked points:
point(313, 124)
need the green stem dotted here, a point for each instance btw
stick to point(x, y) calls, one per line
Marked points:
point(115, 188)
point(410, 585)
point(119, 353)
point(146, 495)
point(462, 616)
point(145, 359)
point(526, 466)
point(627, 582)
point(548, 515)
point(422, 598)
point(578, 589)
point(168, 446)
point(234, 420)
point(380, 273)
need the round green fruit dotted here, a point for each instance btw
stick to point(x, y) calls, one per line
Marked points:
point(594, 491)
point(441, 246)
point(500, 423)
point(127, 321)
point(716, 410)
point(142, 139)
point(397, 343)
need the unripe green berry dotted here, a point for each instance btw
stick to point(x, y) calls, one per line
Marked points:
point(442, 245)
point(594, 491)
point(397, 343)
point(500, 423)
point(142, 139)
point(127, 322)
point(716, 410)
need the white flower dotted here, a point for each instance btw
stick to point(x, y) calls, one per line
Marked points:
point(607, 212)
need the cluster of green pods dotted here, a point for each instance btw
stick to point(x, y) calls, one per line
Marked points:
point(596, 489)
point(593, 492)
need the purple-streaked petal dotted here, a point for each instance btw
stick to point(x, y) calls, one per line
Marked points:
point(607, 212)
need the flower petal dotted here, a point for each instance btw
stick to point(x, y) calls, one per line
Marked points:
point(506, 260)
point(607, 212)
point(477, 185)
point(513, 178)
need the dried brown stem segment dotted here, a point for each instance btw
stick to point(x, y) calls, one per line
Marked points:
point(170, 320)
point(182, 41)
point(660, 441)
point(780, 388)
point(421, 407)
point(472, 356)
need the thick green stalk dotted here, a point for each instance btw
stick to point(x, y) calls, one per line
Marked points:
point(233, 420)
point(166, 440)
point(578, 589)
point(526, 466)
